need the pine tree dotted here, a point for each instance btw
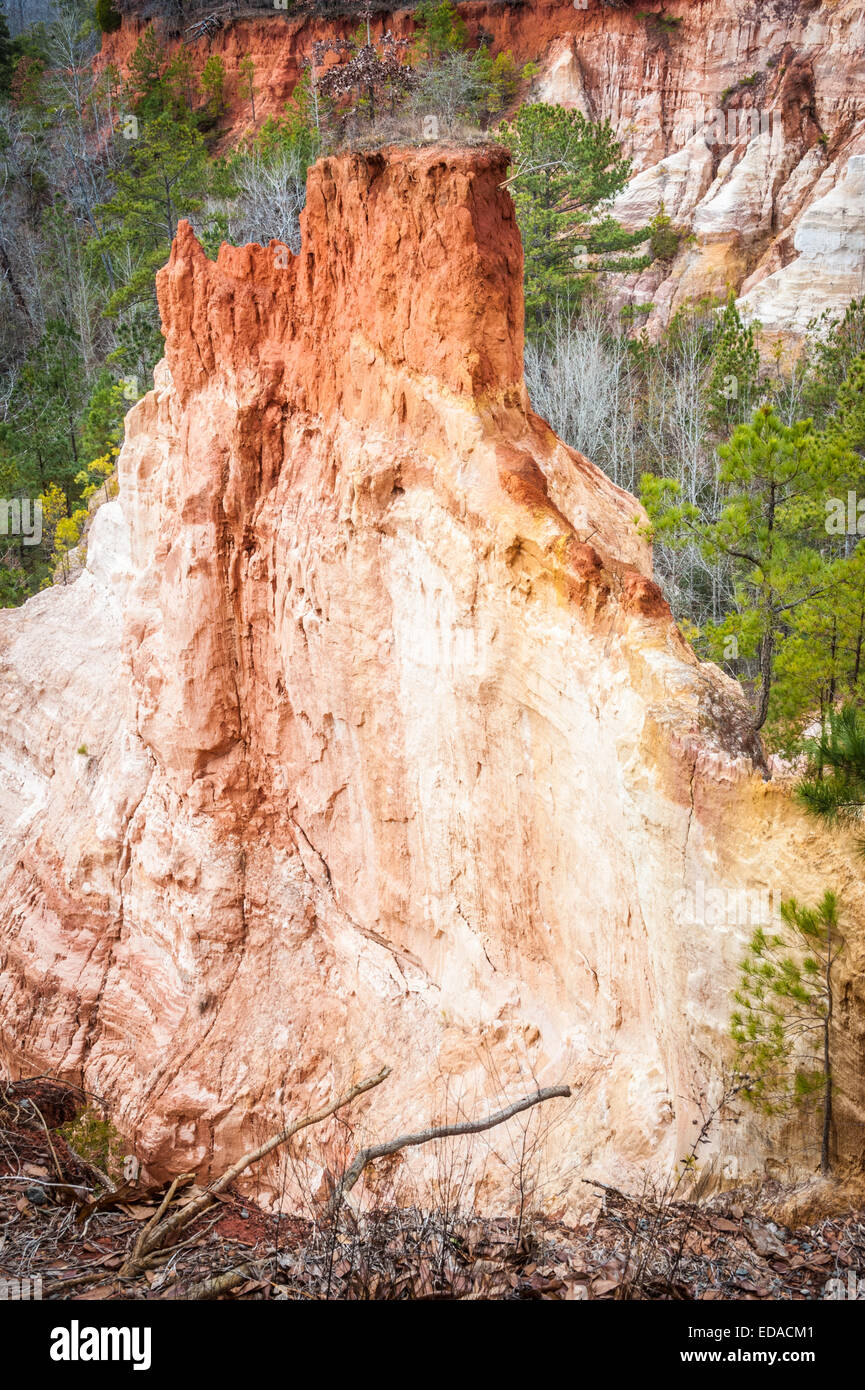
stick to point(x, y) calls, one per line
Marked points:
point(834, 785)
point(847, 422)
point(180, 86)
point(213, 86)
point(832, 347)
point(7, 57)
point(783, 1026)
point(441, 30)
point(164, 179)
point(735, 370)
point(821, 650)
point(769, 526)
point(564, 167)
point(148, 82)
point(48, 399)
point(499, 79)
point(102, 422)
point(107, 18)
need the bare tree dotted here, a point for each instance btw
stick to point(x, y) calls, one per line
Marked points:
point(580, 379)
point(271, 195)
point(633, 416)
point(449, 89)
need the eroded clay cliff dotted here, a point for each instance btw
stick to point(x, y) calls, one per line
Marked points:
point(366, 736)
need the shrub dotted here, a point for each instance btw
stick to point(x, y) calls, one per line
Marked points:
point(667, 23)
point(663, 238)
point(94, 1139)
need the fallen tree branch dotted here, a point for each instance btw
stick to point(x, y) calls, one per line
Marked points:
point(138, 1249)
point(61, 1285)
point(366, 1156)
point(223, 1283)
point(593, 1182)
point(156, 1234)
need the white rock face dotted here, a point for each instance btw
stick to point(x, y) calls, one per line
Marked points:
point(677, 184)
point(561, 81)
point(803, 183)
point(829, 269)
point(739, 203)
point(731, 121)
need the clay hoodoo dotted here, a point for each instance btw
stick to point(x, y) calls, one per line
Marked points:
point(391, 748)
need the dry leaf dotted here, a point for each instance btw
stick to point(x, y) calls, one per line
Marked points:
point(602, 1286)
point(35, 1170)
point(720, 1223)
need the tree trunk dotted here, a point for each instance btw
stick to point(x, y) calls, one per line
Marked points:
point(825, 1161)
point(767, 643)
point(14, 287)
point(859, 637)
point(833, 652)
point(767, 651)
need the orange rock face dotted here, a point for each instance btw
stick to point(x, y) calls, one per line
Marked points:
point(285, 325)
point(367, 736)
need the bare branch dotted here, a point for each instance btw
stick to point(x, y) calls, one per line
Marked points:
point(366, 1156)
point(157, 1236)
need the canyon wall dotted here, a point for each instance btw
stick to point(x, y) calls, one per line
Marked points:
point(366, 736)
point(745, 120)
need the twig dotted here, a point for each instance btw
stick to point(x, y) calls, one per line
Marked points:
point(424, 1136)
point(157, 1235)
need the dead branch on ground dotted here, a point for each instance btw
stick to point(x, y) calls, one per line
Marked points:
point(221, 1284)
point(159, 1231)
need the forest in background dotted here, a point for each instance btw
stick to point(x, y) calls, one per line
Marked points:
point(746, 466)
